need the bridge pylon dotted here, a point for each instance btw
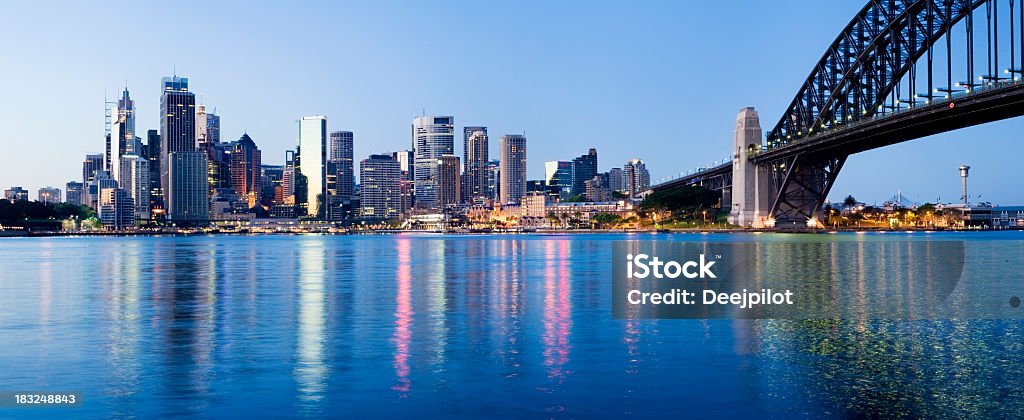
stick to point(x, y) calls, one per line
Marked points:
point(751, 193)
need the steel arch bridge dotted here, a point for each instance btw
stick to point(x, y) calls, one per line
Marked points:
point(900, 70)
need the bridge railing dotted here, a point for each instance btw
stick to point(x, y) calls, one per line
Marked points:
point(696, 171)
point(838, 126)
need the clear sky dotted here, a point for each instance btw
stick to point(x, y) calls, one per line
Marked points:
point(660, 81)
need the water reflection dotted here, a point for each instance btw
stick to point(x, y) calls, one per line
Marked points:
point(403, 318)
point(477, 326)
point(310, 369)
point(557, 309)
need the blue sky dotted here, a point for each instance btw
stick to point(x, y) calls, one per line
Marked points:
point(660, 81)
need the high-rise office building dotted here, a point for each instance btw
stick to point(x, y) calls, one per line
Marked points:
point(380, 196)
point(188, 198)
point(116, 210)
point(91, 164)
point(133, 178)
point(180, 178)
point(584, 168)
point(49, 195)
point(74, 192)
point(493, 180)
point(448, 181)
point(405, 159)
point(16, 194)
point(558, 175)
point(156, 195)
point(405, 188)
point(635, 177)
point(513, 168)
point(288, 179)
point(475, 158)
point(213, 127)
point(342, 156)
point(92, 190)
point(200, 126)
point(615, 179)
point(311, 165)
point(246, 176)
point(121, 139)
point(432, 137)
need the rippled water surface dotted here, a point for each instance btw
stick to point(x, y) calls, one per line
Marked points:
point(454, 325)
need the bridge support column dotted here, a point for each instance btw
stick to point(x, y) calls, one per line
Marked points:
point(751, 194)
point(802, 189)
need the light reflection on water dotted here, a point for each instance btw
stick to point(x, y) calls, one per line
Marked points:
point(516, 325)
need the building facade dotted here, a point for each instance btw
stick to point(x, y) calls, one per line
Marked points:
point(558, 174)
point(245, 171)
point(513, 169)
point(133, 178)
point(74, 193)
point(177, 135)
point(187, 199)
point(380, 195)
point(474, 159)
point(635, 178)
point(432, 137)
point(584, 168)
point(342, 156)
point(448, 181)
point(49, 195)
point(311, 165)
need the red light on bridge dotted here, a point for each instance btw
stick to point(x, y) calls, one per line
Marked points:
point(952, 105)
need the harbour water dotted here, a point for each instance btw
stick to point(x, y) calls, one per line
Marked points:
point(471, 325)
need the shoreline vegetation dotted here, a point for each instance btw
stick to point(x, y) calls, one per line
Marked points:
point(684, 209)
point(246, 232)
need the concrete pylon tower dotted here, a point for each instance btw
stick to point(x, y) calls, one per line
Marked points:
point(751, 202)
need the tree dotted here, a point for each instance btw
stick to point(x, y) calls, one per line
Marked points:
point(683, 200)
point(849, 201)
point(606, 220)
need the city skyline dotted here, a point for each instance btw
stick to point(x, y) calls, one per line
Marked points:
point(569, 96)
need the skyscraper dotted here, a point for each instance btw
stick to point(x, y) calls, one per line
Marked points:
point(133, 178)
point(341, 155)
point(188, 197)
point(615, 179)
point(200, 125)
point(180, 177)
point(245, 171)
point(311, 159)
point(635, 177)
point(115, 209)
point(16, 194)
point(379, 178)
point(91, 164)
point(288, 179)
point(513, 168)
point(474, 158)
point(448, 181)
point(584, 168)
point(432, 137)
point(74, 192)
point(123, 132)
point(213, 127)
point(156, 194)
point(404, 158)
point(558, 174)
point(493, 180)
point(49, 195)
